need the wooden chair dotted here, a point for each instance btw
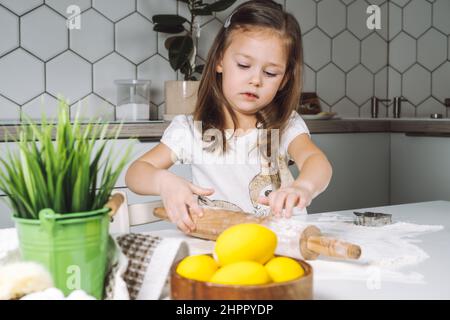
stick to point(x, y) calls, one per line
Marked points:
point(128, 215)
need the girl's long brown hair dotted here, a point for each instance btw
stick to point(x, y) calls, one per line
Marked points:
point(255, 14)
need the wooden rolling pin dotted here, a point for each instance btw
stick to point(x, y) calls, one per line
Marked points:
point(303, 242)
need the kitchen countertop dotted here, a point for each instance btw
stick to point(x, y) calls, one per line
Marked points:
point(153, 130)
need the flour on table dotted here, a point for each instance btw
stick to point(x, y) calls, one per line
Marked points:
point(385, 249)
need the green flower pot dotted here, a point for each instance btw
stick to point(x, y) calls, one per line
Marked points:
point(73, 247)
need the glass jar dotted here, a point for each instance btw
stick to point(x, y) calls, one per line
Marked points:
point(133, 99)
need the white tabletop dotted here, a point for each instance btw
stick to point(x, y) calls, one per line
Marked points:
point(435, 269)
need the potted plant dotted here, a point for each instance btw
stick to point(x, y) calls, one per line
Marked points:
point(181, 96)
point(58, 191)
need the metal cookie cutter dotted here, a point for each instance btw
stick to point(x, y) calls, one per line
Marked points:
point(372, 219)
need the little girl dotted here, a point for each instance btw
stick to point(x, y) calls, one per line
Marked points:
point(244, 128)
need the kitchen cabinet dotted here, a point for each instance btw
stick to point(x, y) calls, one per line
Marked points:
point(360, 171)
point(420, 168)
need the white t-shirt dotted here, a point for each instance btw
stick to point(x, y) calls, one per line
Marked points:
point(238, 176)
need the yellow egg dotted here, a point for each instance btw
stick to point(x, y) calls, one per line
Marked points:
point(283, 269)
point(242, 273)
point(245, 242)
point(199, 267)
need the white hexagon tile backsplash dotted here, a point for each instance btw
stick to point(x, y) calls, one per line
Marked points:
point(345, 62)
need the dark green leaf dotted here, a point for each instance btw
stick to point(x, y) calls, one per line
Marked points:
point(220, 5)
point(179, 51)
point(202, 12)
point(200, 68)
point(168, 29)
point(168, 42)
point(169, 19)
point(186, 69)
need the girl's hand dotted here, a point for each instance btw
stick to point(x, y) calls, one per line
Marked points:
point(288, 197)
point(178, 195)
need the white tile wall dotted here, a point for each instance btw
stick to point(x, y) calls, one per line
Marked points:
point(441, 82)
point(347, 107)
point(309, 79)
point(148, 8)
point(331, 16)
point(374, 52)
point(20, 7)
point(402, 53)
point(418, 54)
point(207, 36)
point(156, 65)
point(10, 110)
point(43, 32)
point(45, 104)
point(304, 11)
point(431, 105)
point(395, 83)
point(395, 20)
point(96, 37)
point(417, 17)
point(316, 49)
point(62, 5)
point(431, 49)
point(114, 9)
point(417, 84)
point(109, 69)
point(135, 38)
point(441, 21)
point(357, 16)
point(116, 41)
point(359, 85)
point(334, 81)
point(69, 76)
point(21, 76)
point(346, 50)
point(93, 107)
point(9, 31)
point(381, 89)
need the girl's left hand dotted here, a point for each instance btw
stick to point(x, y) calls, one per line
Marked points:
point(287, 198)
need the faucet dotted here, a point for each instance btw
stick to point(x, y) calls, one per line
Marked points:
point(374, 105)
point(398, 106)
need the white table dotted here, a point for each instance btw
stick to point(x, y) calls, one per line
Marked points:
point(436, 269)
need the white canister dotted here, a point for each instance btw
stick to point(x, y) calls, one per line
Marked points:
point(133, 99)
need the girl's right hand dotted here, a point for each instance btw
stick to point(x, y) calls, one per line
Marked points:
point(178, 195)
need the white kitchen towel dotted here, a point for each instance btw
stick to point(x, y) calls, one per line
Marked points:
point(140, 266)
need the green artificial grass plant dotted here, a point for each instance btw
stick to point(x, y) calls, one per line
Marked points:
point(63, 174)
